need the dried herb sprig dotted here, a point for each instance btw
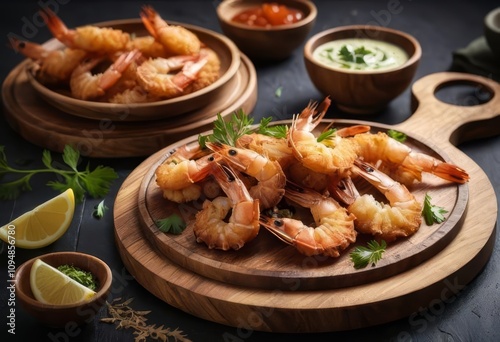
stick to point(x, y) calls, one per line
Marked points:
point(127, 318)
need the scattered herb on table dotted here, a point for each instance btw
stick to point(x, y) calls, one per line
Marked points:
point(100, 210)
point(278, 91)
point(363, 256)
point(127, 318)
point(96, 182)
point(83, 277)
point(173, 224)
point(396, 135)
point(432, 213)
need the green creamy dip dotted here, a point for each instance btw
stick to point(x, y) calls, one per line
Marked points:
point(360, 54)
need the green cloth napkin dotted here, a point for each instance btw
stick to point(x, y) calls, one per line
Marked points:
point(477, 58)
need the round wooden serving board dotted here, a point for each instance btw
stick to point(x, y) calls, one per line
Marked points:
point(267, 263)
point(266, 285)
point(52, 128)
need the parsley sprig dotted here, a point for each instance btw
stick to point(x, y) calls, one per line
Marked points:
point(432, 213)
point(174, 224)
point(228, 132)
point(239, 124)
point(95, 182)
point(363, 256)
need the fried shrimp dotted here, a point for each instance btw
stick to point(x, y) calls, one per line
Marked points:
point(86, 85)
point(300, 175)
point(208, 74)
point(134, 94)
point(51, 67)
point(176, 39)
point(178, 175)
point(270, 187)
point(273, 148)
point(336, 156)
point(127, 88)
point(334, 226)
point(88, 38)
point(156, 77)
point(400, 218)
point(149, 47)
point(242, 226)
point(403, 164)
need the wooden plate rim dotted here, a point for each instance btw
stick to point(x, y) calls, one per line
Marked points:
point(25, 119)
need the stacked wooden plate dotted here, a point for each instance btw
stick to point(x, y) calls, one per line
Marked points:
point(52, 119)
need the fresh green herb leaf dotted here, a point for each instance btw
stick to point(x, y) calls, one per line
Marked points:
point(202, 140)
point(173, 224)
point(264, 123)
point(432, 213)
point(71, 157)
point(277, 131)
point(363, 256)
point(326, 134)
point(399, 136)
point(278, 91)
point(348, 54)
point(12, 190)
point(100, 210)
point(83, 277)
point(228, 132)
point(96, 182)
point(47, 158)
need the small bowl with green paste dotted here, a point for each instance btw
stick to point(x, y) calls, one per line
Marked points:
point(86, 269)
point(362, 68)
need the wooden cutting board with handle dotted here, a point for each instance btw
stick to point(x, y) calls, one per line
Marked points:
point(267, 285)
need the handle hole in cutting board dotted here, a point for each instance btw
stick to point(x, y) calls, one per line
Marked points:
point(463, 93)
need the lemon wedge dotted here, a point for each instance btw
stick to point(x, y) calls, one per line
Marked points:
point(51, 286)
point(43, 225)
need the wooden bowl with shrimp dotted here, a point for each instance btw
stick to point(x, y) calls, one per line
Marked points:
point(61, 97)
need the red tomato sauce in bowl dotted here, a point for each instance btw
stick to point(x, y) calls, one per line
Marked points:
point(269, 14)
